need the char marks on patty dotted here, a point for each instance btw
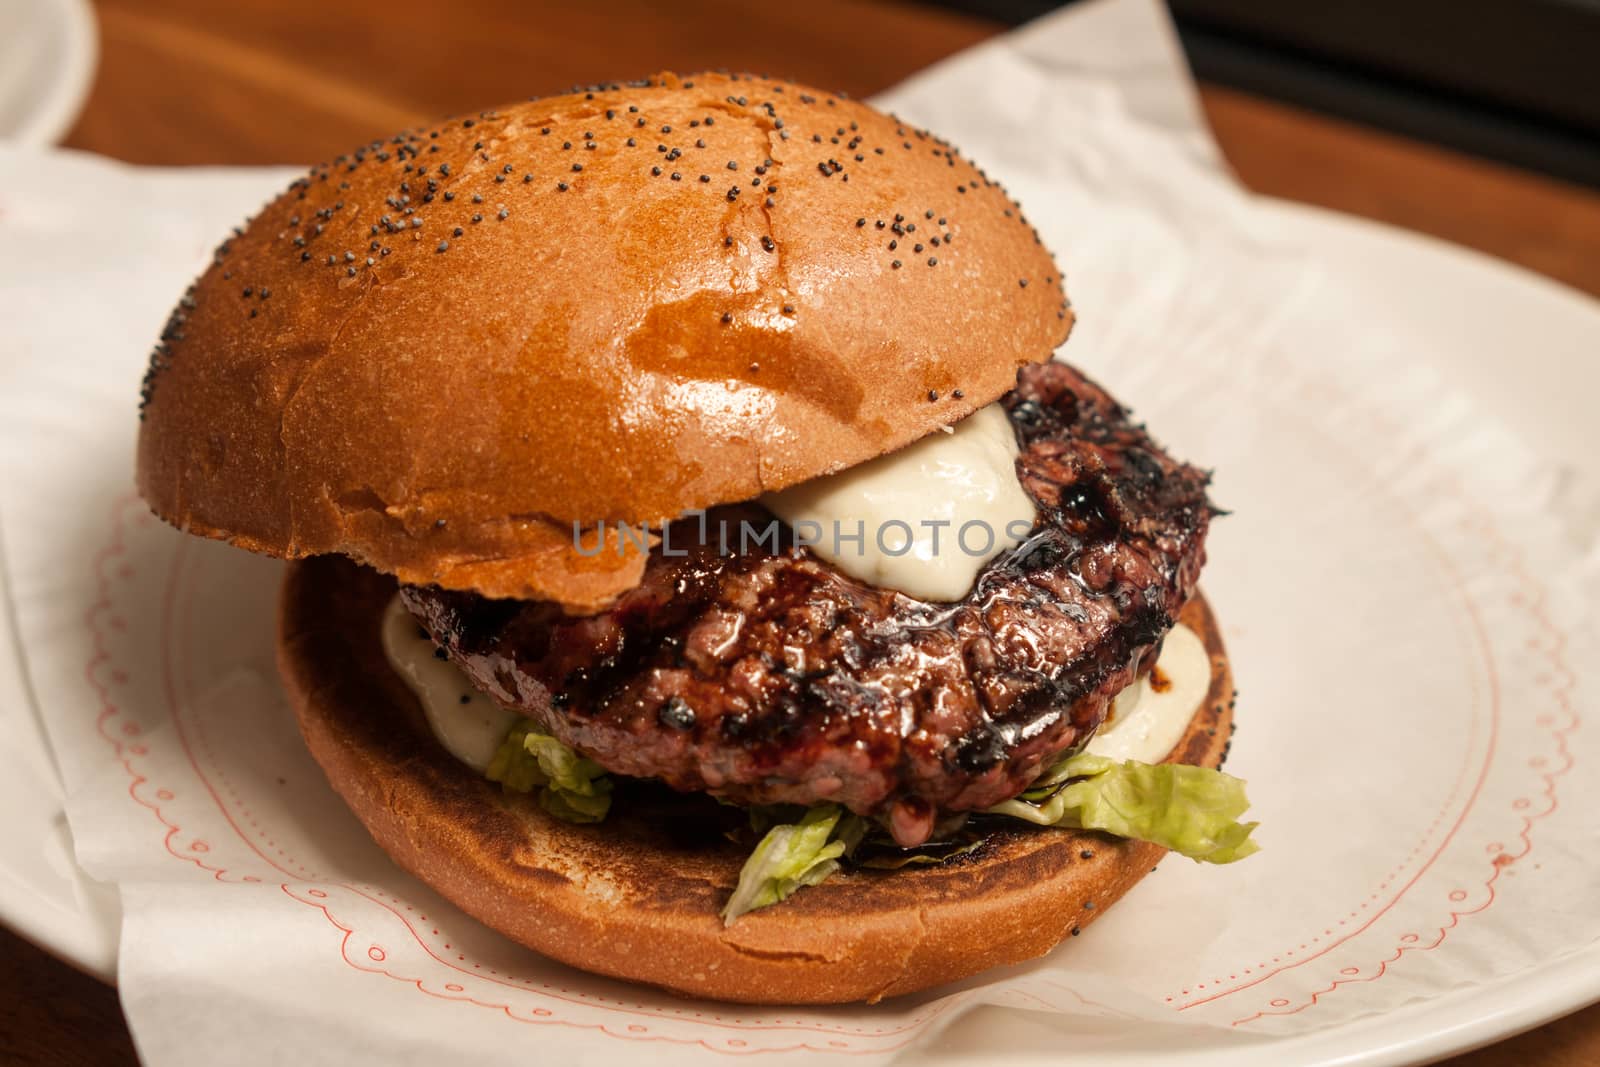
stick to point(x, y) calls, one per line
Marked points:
point(768, 676)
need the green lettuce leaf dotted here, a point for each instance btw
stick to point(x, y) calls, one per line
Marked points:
point(792, 855)
point(570, 786)
point(893, 857)
point(1190, 810)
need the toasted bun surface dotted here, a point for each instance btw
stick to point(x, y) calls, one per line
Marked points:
point(637, 897)
point(436, 354)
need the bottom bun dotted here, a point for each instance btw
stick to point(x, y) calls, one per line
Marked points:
point(637, 897)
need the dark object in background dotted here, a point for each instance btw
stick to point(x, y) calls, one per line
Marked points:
point(1514, 80)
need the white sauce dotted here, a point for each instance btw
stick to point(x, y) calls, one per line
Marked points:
point(913, 509)
point(1145, 723)
point(470, 729)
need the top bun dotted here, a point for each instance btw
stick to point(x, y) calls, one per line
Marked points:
point(437, 354)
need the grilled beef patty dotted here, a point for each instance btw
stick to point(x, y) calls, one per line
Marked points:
point(772, 677)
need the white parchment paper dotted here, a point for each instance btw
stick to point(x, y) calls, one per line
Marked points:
point(1409, 615)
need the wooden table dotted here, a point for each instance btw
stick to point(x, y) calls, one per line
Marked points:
point(277, 81)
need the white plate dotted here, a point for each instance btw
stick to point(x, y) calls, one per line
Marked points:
point(47, 59)
point(1474, 333)
point(43, 895)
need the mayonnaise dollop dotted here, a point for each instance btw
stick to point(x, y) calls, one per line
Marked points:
point(1150, 716)
point(923, 520)
point(467, 723)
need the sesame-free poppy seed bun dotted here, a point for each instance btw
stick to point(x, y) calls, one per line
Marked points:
point(436, 354)
point(637, 896)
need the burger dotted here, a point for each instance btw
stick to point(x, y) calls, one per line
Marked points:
point(702, 572)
